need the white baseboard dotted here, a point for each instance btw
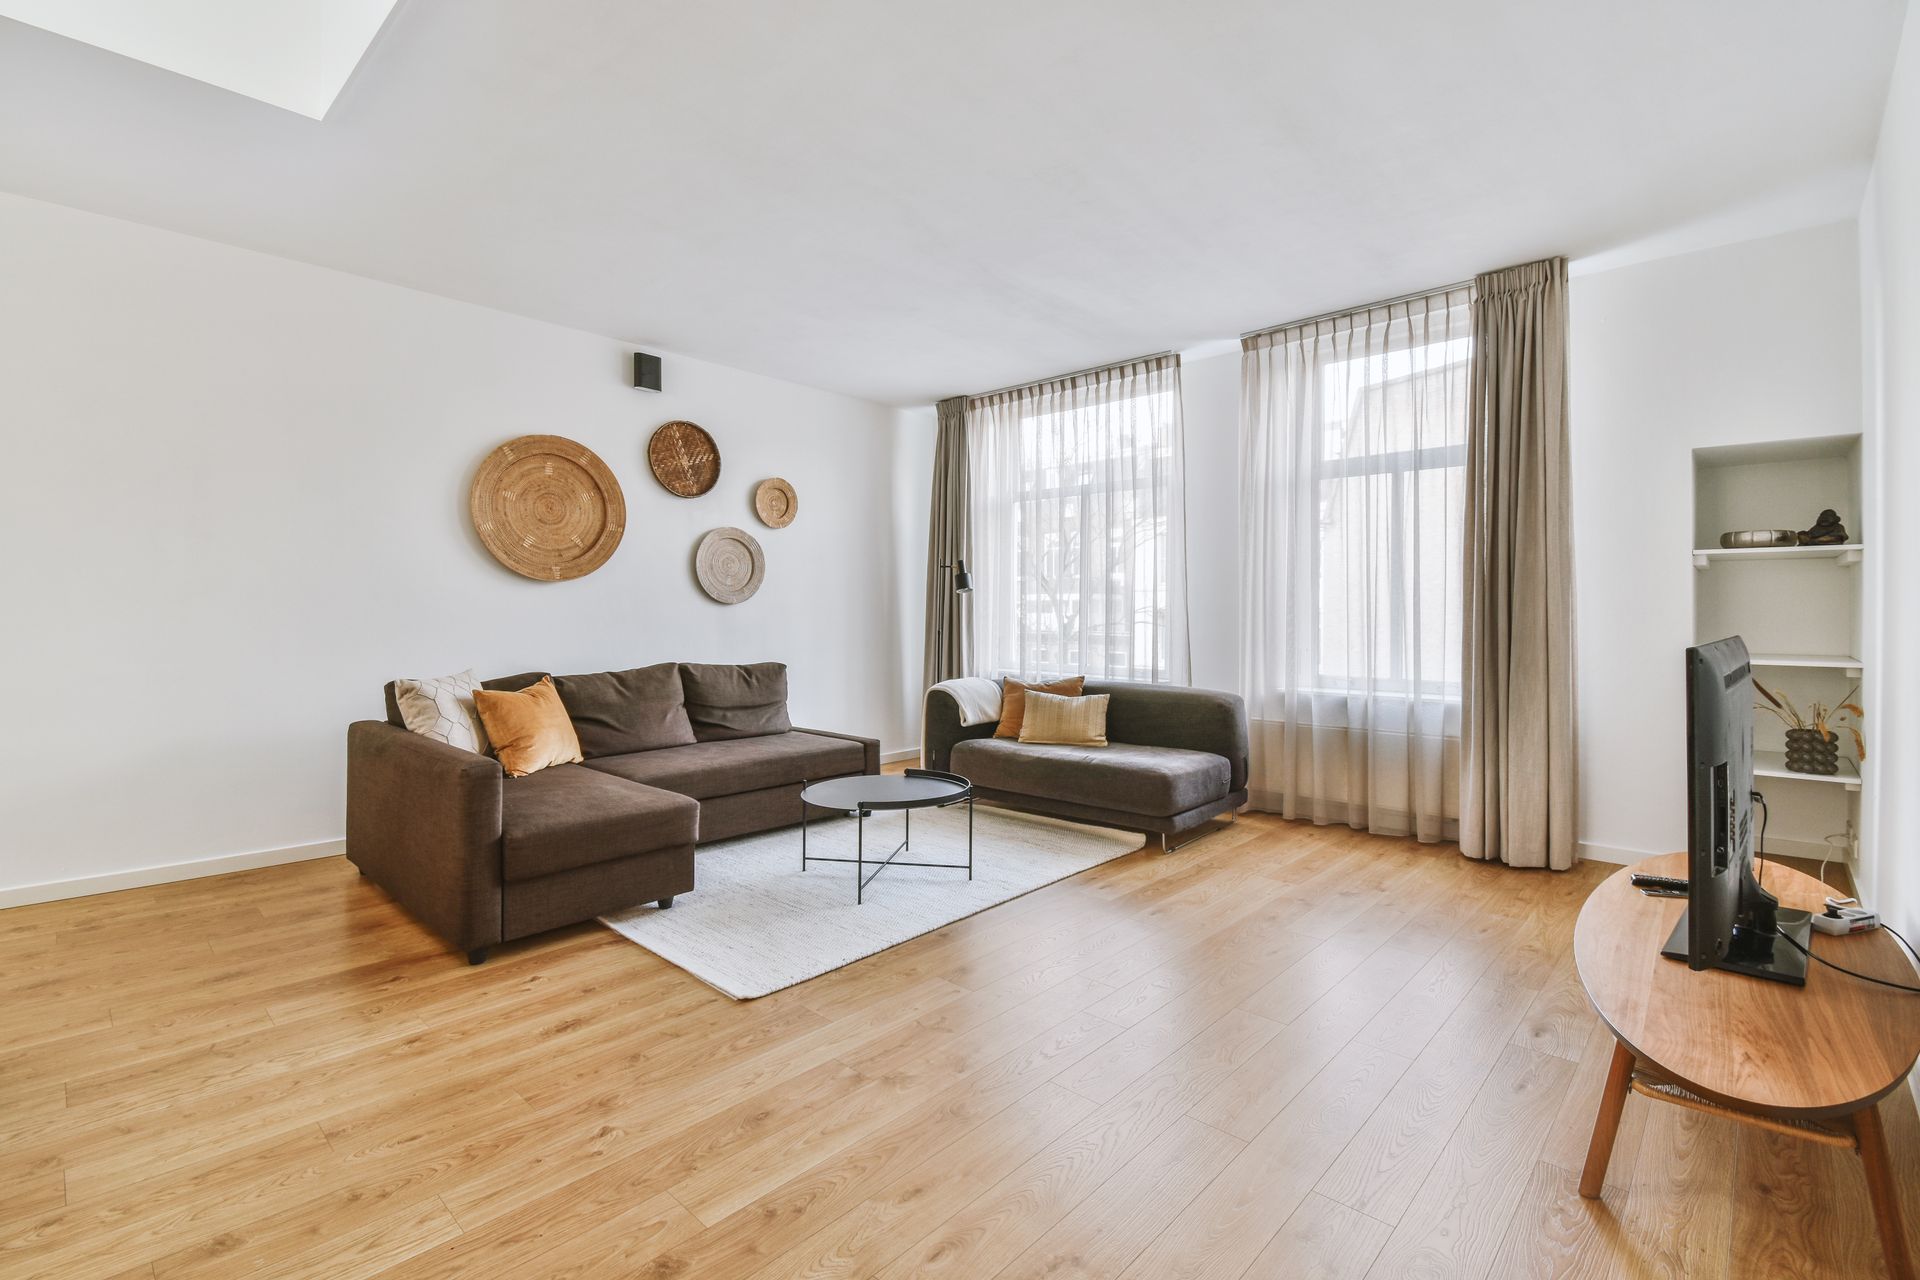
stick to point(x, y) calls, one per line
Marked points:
point(1608, 853)
point(140, 877)
point(1777, 846)
point(894, 757)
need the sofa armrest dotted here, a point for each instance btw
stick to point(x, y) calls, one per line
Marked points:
point(870, 745)
point(1158, 715)
point(940, 729)
point(423, 823)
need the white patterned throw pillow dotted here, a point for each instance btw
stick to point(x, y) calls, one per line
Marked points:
point(442, 709)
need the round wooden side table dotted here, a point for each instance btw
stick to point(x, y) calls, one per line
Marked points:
point(1809, 1061)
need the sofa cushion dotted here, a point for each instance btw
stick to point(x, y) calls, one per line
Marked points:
point(442, 708)
point(725, 768)
point(1013, 700)
point(618, 711)
point(745, 700)
point(529, 730)
point(1155, 782)
point(505, 684)
point(572, 816)
point(1068, 722)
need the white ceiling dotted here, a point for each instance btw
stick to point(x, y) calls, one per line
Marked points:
point(903, 200)
point(295, 54)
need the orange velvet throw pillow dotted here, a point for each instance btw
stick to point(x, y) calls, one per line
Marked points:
point(1013, 700)
point(529, 729)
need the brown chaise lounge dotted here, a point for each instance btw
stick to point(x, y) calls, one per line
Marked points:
point(482, 858)
point(1177, 757)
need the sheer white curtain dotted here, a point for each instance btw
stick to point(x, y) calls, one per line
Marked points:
point(1353, 452)
point(1079, 534)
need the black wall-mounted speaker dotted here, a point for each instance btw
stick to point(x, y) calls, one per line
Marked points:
point(646, 371)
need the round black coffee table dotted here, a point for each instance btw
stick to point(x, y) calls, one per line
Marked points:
point(860, 796)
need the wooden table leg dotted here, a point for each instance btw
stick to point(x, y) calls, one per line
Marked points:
point(1613, 1100)
point(1883, 1192)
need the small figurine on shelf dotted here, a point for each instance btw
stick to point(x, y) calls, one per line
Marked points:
point(1827, 531)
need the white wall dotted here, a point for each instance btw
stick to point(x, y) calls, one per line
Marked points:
point(236, 504)
point(1890, 280)
point(1210, 408)
point(1748, 342)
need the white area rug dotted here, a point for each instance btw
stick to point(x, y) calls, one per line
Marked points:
point(755, 922)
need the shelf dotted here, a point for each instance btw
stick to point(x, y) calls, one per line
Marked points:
point(1773, 764)
point(1852, 666)
point(1845, 555)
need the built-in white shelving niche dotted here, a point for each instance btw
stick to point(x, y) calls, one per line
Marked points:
point(1797, 608)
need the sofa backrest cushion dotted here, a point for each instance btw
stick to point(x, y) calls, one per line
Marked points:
point(616, 712)
point(748, 700)
point(505, 684)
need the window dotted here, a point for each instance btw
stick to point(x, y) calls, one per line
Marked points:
point(1353, 514)
point(1391, 488)
point(1077, 526)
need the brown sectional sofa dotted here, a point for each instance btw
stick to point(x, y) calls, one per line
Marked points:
point(1176, 758)
point(676, 754)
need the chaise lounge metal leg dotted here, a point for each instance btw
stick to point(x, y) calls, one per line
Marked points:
point(1200, 832)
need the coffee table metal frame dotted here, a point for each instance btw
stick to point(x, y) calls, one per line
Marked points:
point(863, 878)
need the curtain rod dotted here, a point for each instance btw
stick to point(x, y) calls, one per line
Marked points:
point(1077, 373)
point(1365, 306)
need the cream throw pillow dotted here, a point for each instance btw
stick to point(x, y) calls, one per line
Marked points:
point(442, 709)
point(1074, 722)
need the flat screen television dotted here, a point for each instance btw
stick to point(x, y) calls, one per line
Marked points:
point(1731, 921)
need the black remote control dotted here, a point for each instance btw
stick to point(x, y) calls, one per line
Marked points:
point(1641, 880)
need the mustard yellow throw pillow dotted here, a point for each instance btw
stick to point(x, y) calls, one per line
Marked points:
point(529, 729)
point(1013, 694)
point(1073, 722)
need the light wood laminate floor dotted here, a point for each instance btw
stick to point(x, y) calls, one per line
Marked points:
point(1281, 1052)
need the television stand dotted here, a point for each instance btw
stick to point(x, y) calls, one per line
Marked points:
point(1757, 954)
point(1756, 1053)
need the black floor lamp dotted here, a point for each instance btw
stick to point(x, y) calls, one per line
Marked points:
point(961, 582)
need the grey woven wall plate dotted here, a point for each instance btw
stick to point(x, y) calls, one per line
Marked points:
point(729, 564)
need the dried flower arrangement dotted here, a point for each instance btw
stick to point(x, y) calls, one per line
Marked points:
point(1820, 718)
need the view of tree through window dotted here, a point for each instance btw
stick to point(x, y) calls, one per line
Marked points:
point(1076, 517)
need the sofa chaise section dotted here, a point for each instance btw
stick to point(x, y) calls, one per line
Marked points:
point(481, 858)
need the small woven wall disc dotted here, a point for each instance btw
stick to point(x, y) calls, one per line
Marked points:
point(547, 507)
point(729, 565)
point(775, 502)
point(684, 459)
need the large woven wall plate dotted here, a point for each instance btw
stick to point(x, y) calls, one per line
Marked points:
point(684, 459)
point(729, 564)
point(775, 502)
point(547, 508)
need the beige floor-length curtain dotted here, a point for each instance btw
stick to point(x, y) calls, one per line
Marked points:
point(949, 638)
point(1517, 779)
point(1353, 475)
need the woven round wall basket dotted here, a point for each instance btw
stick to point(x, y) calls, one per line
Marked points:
point(547, 508)
point(729, 564)
point(775, 502)
point(684, 459)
